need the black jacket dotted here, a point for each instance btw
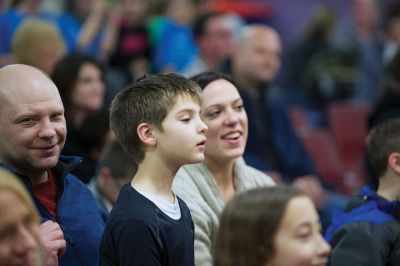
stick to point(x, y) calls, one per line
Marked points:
point(366, 233)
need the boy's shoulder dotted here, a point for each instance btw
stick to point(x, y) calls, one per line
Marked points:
point(132, 206)
point(365, 213)
point(367, 232)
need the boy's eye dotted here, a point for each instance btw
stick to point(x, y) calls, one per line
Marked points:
point(186, 119)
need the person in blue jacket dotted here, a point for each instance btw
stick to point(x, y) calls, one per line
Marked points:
point(33, 132)
point(367, 231)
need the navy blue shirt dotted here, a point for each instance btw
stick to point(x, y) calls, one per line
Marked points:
point(139, 233)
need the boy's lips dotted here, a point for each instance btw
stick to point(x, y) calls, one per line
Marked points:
point(202, 143)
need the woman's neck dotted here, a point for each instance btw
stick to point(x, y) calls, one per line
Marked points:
point(223, 173)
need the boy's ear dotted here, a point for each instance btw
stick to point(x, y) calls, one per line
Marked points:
point(146, 135)
point(394, 162)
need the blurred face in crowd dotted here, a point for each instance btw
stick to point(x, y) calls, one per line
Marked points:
point(19, 236)
point(224, 114)
point(182, 11)
point(257, 56)
point(134, 9)
point(89, 90)
point(365, 13)
point(298, 241)
point(216, 43)
point(31, 118)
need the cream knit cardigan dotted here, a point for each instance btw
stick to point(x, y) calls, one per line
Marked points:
point(197, 187)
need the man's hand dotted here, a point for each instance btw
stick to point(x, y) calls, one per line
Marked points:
point(52, 243)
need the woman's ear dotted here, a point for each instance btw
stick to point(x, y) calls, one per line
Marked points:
point(146, 135)
point(394, 162)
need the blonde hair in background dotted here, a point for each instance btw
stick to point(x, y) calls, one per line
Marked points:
point(10, 182)
point(30, 36)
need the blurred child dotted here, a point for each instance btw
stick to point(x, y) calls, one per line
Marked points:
point(274, 226)
point(116, 168)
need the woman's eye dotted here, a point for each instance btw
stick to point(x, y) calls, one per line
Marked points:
point(239, 107)
point(213, 114)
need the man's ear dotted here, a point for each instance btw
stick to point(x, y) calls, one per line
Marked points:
point(146, 134)
point(394, 162)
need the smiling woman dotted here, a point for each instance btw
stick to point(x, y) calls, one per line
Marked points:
point(19, 224)
point(207, 186)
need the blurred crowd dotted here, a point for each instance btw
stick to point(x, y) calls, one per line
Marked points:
point(314, 77)
point(330, 65)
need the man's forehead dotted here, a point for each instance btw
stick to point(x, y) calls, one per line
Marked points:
point(26, 87)
point(34, 87)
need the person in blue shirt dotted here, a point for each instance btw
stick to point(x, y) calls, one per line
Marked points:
point(33, 133)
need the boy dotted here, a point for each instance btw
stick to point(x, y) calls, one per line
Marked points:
point(157, 119)
point(115, 169)
point(367, 232)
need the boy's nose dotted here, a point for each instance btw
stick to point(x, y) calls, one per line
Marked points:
point(203, 127)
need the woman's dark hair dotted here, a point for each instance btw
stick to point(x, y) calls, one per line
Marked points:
point(205, 78)
point(249, 224)
point(65, 76)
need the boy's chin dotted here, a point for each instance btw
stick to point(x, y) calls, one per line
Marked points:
point(196, 159)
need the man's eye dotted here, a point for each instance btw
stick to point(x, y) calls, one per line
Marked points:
point(28, 120)
point(57, 117)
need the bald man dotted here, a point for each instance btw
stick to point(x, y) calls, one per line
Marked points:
point(273, 145)
point(32, 135)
